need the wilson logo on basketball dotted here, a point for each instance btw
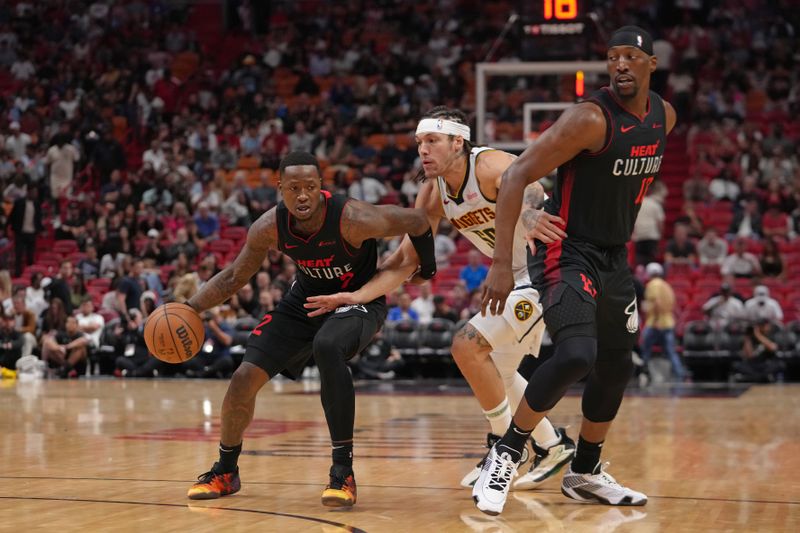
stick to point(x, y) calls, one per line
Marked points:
point(523, 310)
point(186, 342)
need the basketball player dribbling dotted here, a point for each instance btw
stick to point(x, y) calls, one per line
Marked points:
point(608, 151)
point(332, 241)
point(460, 182)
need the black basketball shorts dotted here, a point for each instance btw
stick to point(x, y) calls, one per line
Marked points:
point(282, 343)
point(600, 276)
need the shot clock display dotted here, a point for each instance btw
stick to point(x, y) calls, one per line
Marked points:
point(555, 29)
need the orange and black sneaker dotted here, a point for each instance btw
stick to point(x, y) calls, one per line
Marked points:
point(213, 484)
point(341, 491)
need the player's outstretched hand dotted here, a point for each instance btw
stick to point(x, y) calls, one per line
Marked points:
point(497, 286)
point(547, 228)
point(327, 303)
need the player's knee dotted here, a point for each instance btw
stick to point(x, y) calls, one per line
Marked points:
point(576, 356)
point(469, 346)
point(327, 349)
point(247, 380)
point(507, 363)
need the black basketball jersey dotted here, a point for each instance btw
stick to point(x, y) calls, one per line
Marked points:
point(326, 264)
point(599, 194)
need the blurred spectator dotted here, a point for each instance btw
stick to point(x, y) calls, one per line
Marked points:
point(214, 359)
point(151, 251)
point(423, 304)
point(300, 140)
point(24, 321)
point(26, 223)
point(155, 156)
point(35, 294)
point(762, 307)
point(11, 342)
point(129, 290)
point(649, 224)
point(680, 249)
point(659, 304)
point(266, 304)
point(61, 285)
point(78, 290)
point(443, 310)
point(712, 249)
point(474, 272)
point(61, 157)
point(247, 301)
point(741, 263)
point(135, 361)
point(378, 360)
point(90, 323)
point(403, 310)
point(772, 262)
point(760, 363)
point(207, 222)
point(89, 266)
point(66, 349)
point(16, 141)
point(724, 307)
point(183, 245)
point(746, 223)
point(367, 188)
point(444, 245)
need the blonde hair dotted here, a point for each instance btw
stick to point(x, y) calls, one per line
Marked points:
point(5, 284)
point(185, 288)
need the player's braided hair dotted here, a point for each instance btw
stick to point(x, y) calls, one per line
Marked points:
point(456, 115)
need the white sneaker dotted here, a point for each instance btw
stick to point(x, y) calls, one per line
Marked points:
point(491, 489)
point(547, 463)
point(472, 476)
point(599, 487)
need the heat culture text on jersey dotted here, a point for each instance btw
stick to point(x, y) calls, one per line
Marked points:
point(322, 269)
point(643, 160)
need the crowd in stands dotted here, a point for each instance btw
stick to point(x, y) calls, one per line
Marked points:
point(135, 150)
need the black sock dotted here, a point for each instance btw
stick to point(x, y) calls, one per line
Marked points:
point(228, 457)
point(586, 456)
point(513, 442)
point(342, 454)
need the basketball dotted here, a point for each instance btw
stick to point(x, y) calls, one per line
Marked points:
point(174, 332)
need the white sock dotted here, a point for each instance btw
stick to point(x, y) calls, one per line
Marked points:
point(515, 390)
point(545, 434)
point(499, 417)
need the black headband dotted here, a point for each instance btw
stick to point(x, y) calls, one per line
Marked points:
point(632, 36)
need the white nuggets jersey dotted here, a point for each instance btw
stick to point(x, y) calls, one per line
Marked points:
point(473, 215)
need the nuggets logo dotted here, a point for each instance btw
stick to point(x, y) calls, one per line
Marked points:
point(523, 310)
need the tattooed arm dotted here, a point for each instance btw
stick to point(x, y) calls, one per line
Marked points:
point(532, 203)
point(362, 221)
point(262, 236)
point(539, 224)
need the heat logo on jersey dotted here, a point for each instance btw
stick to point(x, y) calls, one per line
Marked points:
point(473, 218)
point(322, 269)
point(643, 160)
point(523, 310)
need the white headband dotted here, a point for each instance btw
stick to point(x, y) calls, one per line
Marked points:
point(442, 125)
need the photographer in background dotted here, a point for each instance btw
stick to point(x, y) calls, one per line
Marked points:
point(214, 359)
point(762, 307)
point(760, 363)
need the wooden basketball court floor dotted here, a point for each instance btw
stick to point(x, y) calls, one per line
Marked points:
point(113, 455)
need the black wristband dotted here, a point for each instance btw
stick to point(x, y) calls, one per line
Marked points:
point(423, 244)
